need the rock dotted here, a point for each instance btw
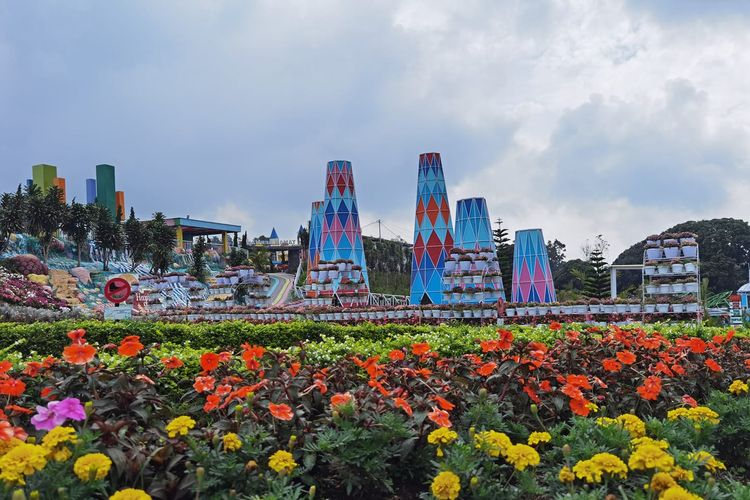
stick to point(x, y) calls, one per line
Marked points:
point(82, 274)
point(81, 297)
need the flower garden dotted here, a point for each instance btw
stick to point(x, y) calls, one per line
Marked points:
point(554, 411)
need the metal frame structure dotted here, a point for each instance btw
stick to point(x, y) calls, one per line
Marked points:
point(647, 278)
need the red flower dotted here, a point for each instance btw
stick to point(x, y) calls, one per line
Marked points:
point(403, 404)
point(578, 381)
point(555, 326)
point(651, 388)
point(130, 346)
point(486, 369)
point(76, 336)
point(209, 361)
point(506, 338)
point(611, 365)
point(572, 335)
point(531, 393)
point(396, 355)
point(626, 357)
point(679, 370)
point(420, 348)
point(19, 409)
point(377, 385)
point(341, 399)
point(713, 365)
point(490, 345)
point(695, 345)
point(212, 402)
point(440, 417)
point(572, 391)
point(443, 403)
point(7, 432)
point(32, 368)
point(45, 392)
point(172, 363)
point(688, 400)
point(545, 386)
point(203, 384)
point(12, 387)
point(662, 368)
point(649, 342)
point(281, 411)
point(79, 354)
point(5, 366)
point(294, 369)
point(580, 407)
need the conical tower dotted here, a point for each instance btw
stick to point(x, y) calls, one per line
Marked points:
point(433, 232)
point(316, 226)
point(532, 276)
point(341, 235)
point(473, 227)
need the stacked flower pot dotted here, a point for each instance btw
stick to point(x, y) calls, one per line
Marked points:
point(671, 274)
point(472, 277)
point(340, 280)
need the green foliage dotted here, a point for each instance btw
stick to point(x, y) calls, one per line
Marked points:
point(77, 226)
point(46, 214)
point(161, 243)
point(199, 268)
point(504, 249)
point(596, 283)
point(236, 257)
point(389, 283)
point(12, 215)
point(136, 239)
point(260, 259)
point(108, 234)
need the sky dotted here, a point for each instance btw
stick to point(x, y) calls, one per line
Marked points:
point(618, 118)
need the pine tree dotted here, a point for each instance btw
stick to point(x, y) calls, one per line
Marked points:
point(161, 243)
point(243, 244)
point(236, 257)
point(46, 214)
point(235, 243)
point(504, 249)
point(12, 215)
point(596, 284)
point(108, 235)
point(199, 269)
point(77, 226)
point(136, 239)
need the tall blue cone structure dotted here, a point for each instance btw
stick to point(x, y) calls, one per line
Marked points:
point(433, 232)
point(316, 227)
point(473, 227)
point(532, 276)
point(341, 235)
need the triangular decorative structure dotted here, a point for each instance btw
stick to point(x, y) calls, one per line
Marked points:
point(274, 235)
point(433, 232)
point(532, 276)
point(316, 227)
point(341, 235)
point(473, 227)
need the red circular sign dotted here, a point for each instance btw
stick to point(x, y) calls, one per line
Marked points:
point(117, 290)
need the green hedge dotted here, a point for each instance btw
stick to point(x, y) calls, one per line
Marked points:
point(50, 338)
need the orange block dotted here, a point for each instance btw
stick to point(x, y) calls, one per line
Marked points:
point(60, 183)
point(120, 202)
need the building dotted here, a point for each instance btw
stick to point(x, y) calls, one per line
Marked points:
point(187, 229)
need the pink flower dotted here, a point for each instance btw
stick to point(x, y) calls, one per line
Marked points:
point(46, 419)
point(57, 412)
point(70, 408)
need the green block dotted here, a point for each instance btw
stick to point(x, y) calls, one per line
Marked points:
point(43, 176)
point(105, 187)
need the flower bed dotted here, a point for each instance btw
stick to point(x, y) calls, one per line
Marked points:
point(17, 290)
point(588, 414)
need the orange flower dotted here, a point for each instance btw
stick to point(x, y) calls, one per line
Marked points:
point(490, 345)
point(172, 363)
point(403, 404)
point(626, 357)
point(212, 402)
point(209, 361)
point(223, 390)
point(253, 351)
point(506, 339)
point(486, 369)
point(531, 393)
point(12, 387)
point(747, 363)
point(578, 381)
point(32, 368)
point(130, 346)
point(76, 336)
point(580, 406)
point(341, 399)
point(473, 358)
point(294, 369)
point(377, 385)
point(440, 417)
point(713, 365)
point(420, 348)
point(443, 403)
point(5, 366)
point(45, 392)
point(572, 391)
point(690, 401)
point(79, 354)
point(19, 409)
point(322, 387)
point(696, 345)
point(545, 386)
point(49, 362)
point(651, 388)
point(396, 355)
point(611, 365)
point(281, 411)
point(649, 342)
point(7, 432)
point(555, 326)
point(662, 368)
point(424, 373)
point(572, 335)
point(203, 384)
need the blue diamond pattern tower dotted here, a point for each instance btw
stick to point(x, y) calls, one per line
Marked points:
point(473, 228)
point(313, 247)
point(433, 232)
point(532, 276)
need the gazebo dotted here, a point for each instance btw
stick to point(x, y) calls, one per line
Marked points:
point(187, 229)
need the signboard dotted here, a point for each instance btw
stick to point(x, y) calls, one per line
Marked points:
point(117, 290)
point(735, 311)
point(117, 313)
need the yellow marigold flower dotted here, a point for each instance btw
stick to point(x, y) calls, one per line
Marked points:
point(706, 459)
point(232, 442)
point(635, 443)
point(59, 435)
point(180, 426)
point(566, 475)
point(680, 474)
point(738, 387)
point(6, 446)
point(649, 456)
point(588, 471)
point(130, 494)
point(678, 493)
point(60, 454)
point(23, 460)
point(441, 437)
point(92, 466)
point(611, 464)
point(631, 423)
point(661, 481)
point(282, 462)
point(446, 486)
point(521, 456)
point(492, 442)
point(697, 414)
point(592, 406)
point(539, 437)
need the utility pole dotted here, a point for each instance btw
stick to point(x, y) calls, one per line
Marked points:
point(380, 236)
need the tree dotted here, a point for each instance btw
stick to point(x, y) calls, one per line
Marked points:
point(556, 254)
point(199, 269)
point(136, 239)
point(504, 249)
point(235, 243)
point(12, 216)
point(304, 238)
point(596, 284)
point(46, 214)
point(161, 244)
point(77, 226)
point(108, 234)
point(261, 259)
point(236, 257)
point(243, 243)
